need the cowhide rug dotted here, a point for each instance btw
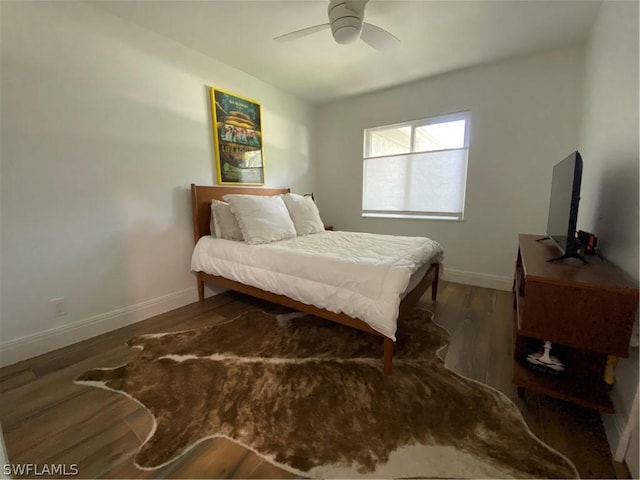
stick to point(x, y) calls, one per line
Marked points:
point(310, 396)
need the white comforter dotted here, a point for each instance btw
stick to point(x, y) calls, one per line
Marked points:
point(360, 274)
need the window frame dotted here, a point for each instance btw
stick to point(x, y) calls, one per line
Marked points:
point(414, 124)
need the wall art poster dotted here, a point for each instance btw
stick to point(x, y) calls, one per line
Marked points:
point(237, 134)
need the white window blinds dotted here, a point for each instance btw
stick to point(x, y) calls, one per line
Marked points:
point(417, 169)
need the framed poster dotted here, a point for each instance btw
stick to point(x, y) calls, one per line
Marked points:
point(237, 135)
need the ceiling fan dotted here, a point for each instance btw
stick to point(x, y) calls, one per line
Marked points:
point(347, 25)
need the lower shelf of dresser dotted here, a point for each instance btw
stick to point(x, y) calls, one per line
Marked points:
point(584, 391)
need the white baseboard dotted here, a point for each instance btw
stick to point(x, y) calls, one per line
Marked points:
point(618, 426)
point(613, 427)
point(478, 279)
point(29, 346)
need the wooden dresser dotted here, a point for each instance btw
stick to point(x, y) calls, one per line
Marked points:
point(586, 311)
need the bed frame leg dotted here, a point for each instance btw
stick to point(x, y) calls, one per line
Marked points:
point(388, 355)
point(200, 289)
point(434, 285)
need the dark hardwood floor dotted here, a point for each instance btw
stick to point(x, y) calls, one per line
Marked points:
point(47, 419)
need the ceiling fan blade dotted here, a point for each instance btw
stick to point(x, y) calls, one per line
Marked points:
point(377, 37)
point(301, 33)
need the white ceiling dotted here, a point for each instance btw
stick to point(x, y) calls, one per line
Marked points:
point(437, 36)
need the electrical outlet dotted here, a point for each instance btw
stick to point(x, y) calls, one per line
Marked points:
point(59, 308)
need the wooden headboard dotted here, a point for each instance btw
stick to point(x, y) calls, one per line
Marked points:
point(201, 196)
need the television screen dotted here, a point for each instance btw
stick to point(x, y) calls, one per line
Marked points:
point(563, 205)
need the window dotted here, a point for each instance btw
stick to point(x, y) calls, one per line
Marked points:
point(417, 169)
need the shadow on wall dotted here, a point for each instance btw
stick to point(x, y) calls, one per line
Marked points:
point(616, 222)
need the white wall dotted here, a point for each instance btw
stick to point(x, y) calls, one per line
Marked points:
point(104, 127)
point(525, 117)
point(609, 145)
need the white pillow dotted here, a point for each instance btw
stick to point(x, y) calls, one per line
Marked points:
point(262, 218)
point(225, 224)
point(304, 213)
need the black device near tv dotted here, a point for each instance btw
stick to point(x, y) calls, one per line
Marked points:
point(563, 207)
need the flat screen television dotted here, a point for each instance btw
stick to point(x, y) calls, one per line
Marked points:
point(563, 206)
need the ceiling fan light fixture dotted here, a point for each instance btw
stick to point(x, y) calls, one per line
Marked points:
point(346, 23)
point(346, 30)
point(346, 35)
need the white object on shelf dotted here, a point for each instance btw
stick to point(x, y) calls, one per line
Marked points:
point(545, 359)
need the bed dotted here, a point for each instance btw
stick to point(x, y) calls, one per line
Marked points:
point(424, 278)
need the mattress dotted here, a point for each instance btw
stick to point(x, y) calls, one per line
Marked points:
point(363, 275)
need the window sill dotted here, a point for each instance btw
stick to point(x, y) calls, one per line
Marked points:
point(413, 217)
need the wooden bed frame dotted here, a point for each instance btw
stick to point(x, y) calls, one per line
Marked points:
point(201, 197)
